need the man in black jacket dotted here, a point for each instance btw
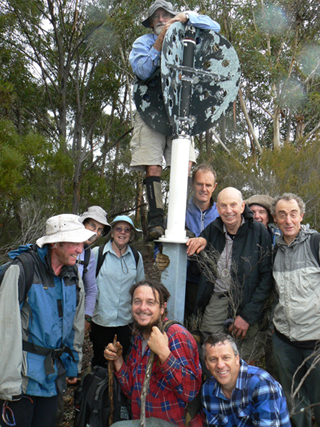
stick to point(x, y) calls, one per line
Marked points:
point(236, 265)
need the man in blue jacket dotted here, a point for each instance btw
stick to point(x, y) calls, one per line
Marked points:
point(42, 318)
point(201, 211)
point(148, 147)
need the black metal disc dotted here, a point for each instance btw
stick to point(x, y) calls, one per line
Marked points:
point(215, 81)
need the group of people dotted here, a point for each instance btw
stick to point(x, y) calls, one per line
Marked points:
point(241, 254)
point(51, 294)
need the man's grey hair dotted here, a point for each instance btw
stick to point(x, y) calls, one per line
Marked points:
point(214, 339)
point(288, 197)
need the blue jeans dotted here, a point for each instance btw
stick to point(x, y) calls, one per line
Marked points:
point(287, 359)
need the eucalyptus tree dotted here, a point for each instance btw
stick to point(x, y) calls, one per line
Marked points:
point(70, 46)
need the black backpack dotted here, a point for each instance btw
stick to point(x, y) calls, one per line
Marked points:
point(23, 255)
point(91, 400)
point(101, 257)
point(85, 262)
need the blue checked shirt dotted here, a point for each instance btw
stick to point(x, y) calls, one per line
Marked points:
point(257, 400)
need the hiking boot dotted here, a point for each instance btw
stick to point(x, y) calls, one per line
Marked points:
point(154, 233)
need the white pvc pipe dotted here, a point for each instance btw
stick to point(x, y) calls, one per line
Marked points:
point(175, 232)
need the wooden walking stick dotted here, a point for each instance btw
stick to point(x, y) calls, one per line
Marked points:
point(146, 383)
point(110, 388)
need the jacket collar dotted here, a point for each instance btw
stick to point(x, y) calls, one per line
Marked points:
point(304, 233)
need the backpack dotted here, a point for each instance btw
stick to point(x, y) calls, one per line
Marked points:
point(101, 257)
point(85, 262)
point(24, 256)
point(91, 400)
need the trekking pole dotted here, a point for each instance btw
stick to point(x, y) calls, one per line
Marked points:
point(110, 388)
point(146, 383)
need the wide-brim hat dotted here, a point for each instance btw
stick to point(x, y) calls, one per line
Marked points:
point(125, 218)
point(98, 214)
point(262, 200)
point(65, 228)
point(163, 4)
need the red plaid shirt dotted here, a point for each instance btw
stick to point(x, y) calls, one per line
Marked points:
point(172, 384)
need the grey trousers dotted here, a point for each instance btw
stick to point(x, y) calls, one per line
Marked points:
point(287, 359)
point(216, 313)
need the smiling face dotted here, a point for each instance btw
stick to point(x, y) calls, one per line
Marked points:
point(203, 186)
point(121, 233)
point(146, 310)
point(66, 253)
point(230, 207)
point(96, 226)
point(260, 214)
point(288, 217)
point(223, 365)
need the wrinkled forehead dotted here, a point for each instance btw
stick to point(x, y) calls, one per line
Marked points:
point(229, 197)
point(221, 347)
point(287, 206)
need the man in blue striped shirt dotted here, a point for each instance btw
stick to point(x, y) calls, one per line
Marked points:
point(238, 394)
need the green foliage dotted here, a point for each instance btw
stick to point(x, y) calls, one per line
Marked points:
point(65, 113)
point(12, 162)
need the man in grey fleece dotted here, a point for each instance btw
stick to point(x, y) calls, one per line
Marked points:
point(296, 336)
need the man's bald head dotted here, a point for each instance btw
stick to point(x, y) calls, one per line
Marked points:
point(230, 192)
point(230, 206)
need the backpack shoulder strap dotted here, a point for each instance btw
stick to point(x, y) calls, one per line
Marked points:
point(101, 257)
point(27, 262)
point(169, 323)
point(135, 254)
point(274, 252)
point(87, 254)
point(315, 243)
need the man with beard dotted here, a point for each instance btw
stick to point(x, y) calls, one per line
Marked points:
point(148, 147)
point(176, 372)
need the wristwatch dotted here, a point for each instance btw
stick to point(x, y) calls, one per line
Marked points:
point(88, 318)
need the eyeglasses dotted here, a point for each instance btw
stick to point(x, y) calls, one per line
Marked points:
point(94, 227)
point(125, 230)
point(156, 16)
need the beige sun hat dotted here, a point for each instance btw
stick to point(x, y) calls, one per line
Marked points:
point(65, 228)
point(98, 214)
point(163, 4)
